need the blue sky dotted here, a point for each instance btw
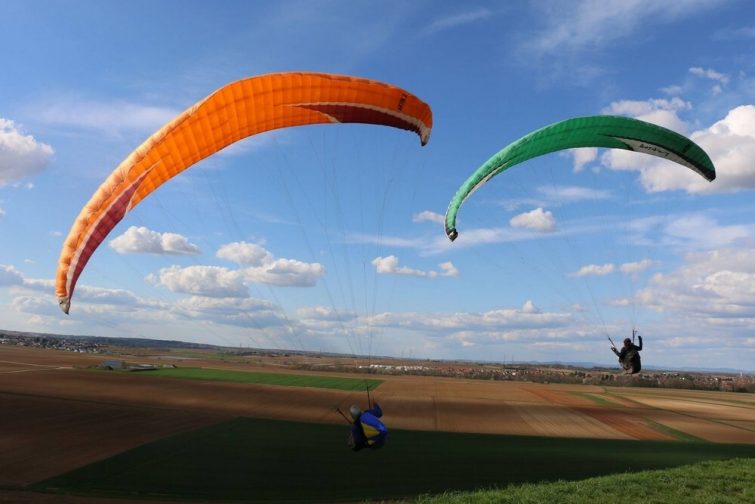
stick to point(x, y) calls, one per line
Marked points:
point(329, 237)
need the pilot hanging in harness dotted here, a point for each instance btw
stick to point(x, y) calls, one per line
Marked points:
point(367, 430)
point(629, 356)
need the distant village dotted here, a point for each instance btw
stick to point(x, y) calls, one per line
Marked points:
point(77, 345)
point(725, 382)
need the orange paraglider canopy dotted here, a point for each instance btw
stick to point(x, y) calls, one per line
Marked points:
point(233, 112)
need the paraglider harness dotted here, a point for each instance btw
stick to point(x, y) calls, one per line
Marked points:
point(367, 431)
point(629, 358)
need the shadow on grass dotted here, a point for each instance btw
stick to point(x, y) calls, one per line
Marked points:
point(248, 459)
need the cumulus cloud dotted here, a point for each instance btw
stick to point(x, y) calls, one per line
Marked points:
point(10, 276)
point(428, 216)
point(583, 156)
point(248, 254)
point(730, 143)
point(658, 111)
point(21, 155)
point(448, 269)
point(390, 266)
point(716, 288)
point(536, 220)
point(209, 281)
point(593, 270)
point(100, 295)
point(241, 312)
point(286, 273)
point(263, 267)
point(529, 307)
point(141, 240)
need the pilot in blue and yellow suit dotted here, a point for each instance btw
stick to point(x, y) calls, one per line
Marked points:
point(367, 431)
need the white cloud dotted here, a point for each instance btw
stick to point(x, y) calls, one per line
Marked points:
point(20, 155)
point(449, 269)
point(576, 25)
point(264, 268)
point(471, 238)
point(324, 313)
point(141, 240)
point(112, 117)
point(99, 295)
point(593, 270)
point(428, 216)
point(709, 73)
point(285, 273)
point(2, 213)
point(700, 231)
point(637, 267)
point(692, 231)
point(248, 254)
point(457, 20)
point(583, 156)
point(390, 266)
point(715, 289)
point(529, 307)
point(672, 90)
point(504, 319)
point(242, 312)
point(10, 276)
point(208, 281)
point(658, 111)
point(536, 220)
point(730, 143)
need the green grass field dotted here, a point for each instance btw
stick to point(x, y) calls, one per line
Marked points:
point(286, 380)
point(256, 460)
point(722, 482)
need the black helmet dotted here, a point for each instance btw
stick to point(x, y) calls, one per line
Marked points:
point(627, 341)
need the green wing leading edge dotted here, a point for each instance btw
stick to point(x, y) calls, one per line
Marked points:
point(613, 132)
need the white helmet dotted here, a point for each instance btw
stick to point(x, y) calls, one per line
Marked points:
point(355, 411)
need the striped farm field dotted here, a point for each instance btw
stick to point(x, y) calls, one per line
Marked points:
point(261, 378)
point(261, 460)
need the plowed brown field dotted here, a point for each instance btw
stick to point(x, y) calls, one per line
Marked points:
point(57, 416)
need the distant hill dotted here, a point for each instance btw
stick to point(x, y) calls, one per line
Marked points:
point(155, 343)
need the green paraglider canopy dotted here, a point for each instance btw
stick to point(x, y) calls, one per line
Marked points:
point(613, 132)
